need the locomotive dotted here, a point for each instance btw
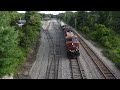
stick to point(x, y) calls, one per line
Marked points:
point(71, 40)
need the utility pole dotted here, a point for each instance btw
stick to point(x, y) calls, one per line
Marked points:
point(66, 16)
point(75, 23)
point(20, 18)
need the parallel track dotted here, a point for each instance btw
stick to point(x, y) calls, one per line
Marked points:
point(102, 67)
point(105, 71)
point(52, 68)
point(76, 67)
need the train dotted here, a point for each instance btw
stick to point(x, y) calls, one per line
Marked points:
point(71, 40)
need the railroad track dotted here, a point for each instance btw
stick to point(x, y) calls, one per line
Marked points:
point(77, 69)
point(53, 62)
point(50, 67)
point(104, 70)
point(56, 27)
point(102, 67)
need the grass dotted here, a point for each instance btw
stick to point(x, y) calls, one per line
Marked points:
point(26, 53)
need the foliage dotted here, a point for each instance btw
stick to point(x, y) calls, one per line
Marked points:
point(100, 26)
point(85, 29)
point(14, 40)
point(9, 52)
point(31, 29)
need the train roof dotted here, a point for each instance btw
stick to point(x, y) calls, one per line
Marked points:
point(70, 33)
point(63, 24)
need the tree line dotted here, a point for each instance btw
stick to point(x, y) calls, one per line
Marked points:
point(17, 42)
point(102, 27)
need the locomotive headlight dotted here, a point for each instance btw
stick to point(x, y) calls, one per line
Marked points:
point(72, 43)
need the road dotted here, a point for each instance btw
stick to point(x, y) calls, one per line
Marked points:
point(51, 60)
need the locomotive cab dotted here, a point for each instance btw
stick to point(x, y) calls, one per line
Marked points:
point(72, 42)
point(72, 45)
point(64, 27)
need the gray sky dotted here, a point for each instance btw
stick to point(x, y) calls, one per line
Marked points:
point(48, 12)
point(52, 12)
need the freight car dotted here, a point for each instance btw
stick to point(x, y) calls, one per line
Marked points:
point(63, 25)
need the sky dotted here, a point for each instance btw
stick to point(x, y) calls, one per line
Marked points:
point(48, 12)
point(52, 12)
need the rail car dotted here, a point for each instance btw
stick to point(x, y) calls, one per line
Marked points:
point(63, 25)
point(72, 43)
point(71, 40)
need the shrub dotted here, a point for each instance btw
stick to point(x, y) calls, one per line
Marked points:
point(85, 29)
point(9, 52)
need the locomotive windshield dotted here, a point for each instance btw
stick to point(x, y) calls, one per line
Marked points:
point(74, 39)
point(69, 39)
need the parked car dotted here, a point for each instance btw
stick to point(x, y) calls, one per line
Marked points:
point(20, 23)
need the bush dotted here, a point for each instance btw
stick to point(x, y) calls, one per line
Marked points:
point(31, 29)
point(92, 35)
point(9, 51)
point(101, 31)
point(114, 55)
point(30, 36)
point(15, 42)
point(105, 41)
point(85, 29)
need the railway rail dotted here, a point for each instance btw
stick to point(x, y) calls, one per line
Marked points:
point(77, 69)
point(53, 63)
point(101, 66)
point(104, 70)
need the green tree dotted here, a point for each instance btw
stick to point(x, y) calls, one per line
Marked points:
point(115, 24)
point(9, 51)
point(104, 17)
point(31, 29)
point(14, 16)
